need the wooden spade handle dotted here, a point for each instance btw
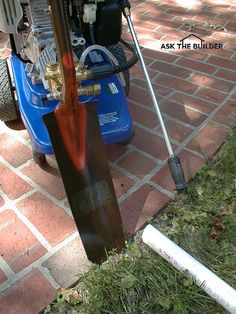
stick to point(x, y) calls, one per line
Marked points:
point(64, 49)
point(70, 114)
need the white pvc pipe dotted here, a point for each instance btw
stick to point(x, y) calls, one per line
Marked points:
point(204, 278)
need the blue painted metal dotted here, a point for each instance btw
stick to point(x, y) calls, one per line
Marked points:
point(114, 117)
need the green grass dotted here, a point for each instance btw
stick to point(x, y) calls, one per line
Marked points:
point(202, 221)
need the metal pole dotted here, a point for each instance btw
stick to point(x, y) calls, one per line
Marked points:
point(156, 106)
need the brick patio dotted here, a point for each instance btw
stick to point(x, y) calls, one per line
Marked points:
point(40, 248)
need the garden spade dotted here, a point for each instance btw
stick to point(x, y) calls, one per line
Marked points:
point(78, 146)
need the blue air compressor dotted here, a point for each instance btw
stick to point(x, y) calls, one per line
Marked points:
point(33, 49)
point(102, 70)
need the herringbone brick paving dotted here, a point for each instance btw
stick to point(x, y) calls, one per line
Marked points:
point(40, 248)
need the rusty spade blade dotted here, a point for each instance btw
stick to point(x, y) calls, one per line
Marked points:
point(76, 139)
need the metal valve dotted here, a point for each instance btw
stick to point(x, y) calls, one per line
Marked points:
point(53, 76)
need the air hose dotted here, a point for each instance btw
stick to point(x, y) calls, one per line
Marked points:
point(108, 70)
point(109, 55)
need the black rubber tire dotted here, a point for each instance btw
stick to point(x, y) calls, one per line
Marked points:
point(39, 158)
point(118, 51)
point(8, 110)
point(128, 141)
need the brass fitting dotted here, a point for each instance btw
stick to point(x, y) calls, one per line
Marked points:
point(53, 76)
point(93, 89)
point(82, 73)
point(52, 71)
point(126, 11)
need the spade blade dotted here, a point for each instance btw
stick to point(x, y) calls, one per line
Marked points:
point(76, 139)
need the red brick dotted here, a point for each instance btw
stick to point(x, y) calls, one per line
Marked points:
point(231, 26)
point(227, 114)
point(164, 56)
point(193, 54)
point(138, 10)
point(215, 5)
point(209, 13)
point(199, 66)
point(139, 16)
point(150, 143)
point(182, 113)
point(143, 116)
point(11, 184)
point(141, 205)
point(176, 83)
point(140, 95)
point(227, 75)
point(158, 89)
point(211, 95)
point(179, 33)
point(176, 131)
point(202, 32)
point(143, 33)
point(222, 62)
point(209, 139)
point(145, 25)
point(29, 295)
point(19, 247)
point(13, 151)
point(115, 151)
point(170, 39)
point(159, 18)
point(228, 16)
point(165, 20)
point(49, 179)
point(193, 102)
point(170, 69)
point(180, 12)
point(233, 96)
point(212, 82)
point(152, 6)
point(126, 36)
point(2, 202)
point(121, 182)
point(137, 164)
point(148, 61)
point(190, 163)
point(137, 72)
point(163, 178)
point(230, 46)
point(221, 52)
point(224, 37)
point(149, 42)
point(2, 277)
point(51, 220)
point(202, 19)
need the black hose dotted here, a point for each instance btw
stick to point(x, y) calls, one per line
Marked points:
point(131, 62)
point(108, 70)
point(91, 34)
